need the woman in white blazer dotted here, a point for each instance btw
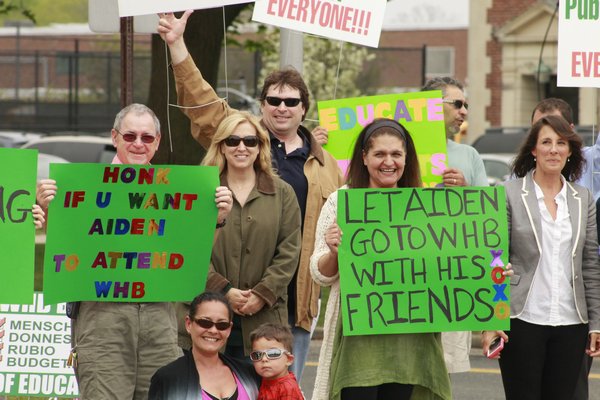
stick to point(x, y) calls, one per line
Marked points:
point(555, 290)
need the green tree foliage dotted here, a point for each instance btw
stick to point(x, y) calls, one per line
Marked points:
point(15, 9)
point(59, 11)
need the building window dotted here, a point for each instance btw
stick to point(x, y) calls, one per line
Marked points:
point(439, 62)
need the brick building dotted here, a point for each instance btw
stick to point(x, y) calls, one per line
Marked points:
point(506, 38)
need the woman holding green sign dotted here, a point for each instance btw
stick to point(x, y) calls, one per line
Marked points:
point(555, 290)
point(373, 367)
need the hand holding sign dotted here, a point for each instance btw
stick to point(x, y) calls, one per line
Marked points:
point(171, 28)
point(38, 216)
point(224, 201)
point(333, 237)
point(45, 192)
point(171, 31)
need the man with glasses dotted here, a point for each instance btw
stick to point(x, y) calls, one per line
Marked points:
point(117, 347)
point(466, 166)
point(298, 158)
point(465, 169)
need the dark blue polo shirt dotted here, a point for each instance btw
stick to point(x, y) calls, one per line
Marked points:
point(290, 167)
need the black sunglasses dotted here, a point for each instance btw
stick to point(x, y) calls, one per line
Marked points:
point(234, 141)
point(131, 137)
point(458, 104)
point(272, 354)
point(207, 324)
point(276, 101)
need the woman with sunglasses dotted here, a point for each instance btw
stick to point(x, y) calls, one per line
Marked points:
point(204, 373)
point(373, 367)
point(256, 253)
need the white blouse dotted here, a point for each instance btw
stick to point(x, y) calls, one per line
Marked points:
point(551, 299)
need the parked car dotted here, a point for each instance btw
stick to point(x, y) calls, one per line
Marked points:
point(15, 139)
point(239, 100)
point(43, 164)
point(497, 167)
point(91, 149)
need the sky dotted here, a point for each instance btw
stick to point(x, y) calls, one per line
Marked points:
point(426, 14)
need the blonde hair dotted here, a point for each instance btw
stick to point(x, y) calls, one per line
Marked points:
point(215, 157)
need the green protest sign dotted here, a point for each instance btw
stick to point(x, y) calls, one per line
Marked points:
point(36, 341)
point(423, 260)
point(17, 232)
point(421, 113)
point(129, 233)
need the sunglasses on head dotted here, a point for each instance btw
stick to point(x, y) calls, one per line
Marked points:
point(131, 137)
point(458, 104)
point(234, 141)
point(207, 324)
point(272, 354)
point(276, 101)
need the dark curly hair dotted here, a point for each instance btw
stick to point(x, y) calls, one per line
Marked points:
point(525, 162)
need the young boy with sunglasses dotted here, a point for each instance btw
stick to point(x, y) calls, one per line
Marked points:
point(272, 356)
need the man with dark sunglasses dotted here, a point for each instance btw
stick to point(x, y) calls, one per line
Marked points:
point(298, 158)
point(465, 165)
point(465, 168)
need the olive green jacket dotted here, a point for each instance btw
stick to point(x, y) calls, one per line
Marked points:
point(258, 249)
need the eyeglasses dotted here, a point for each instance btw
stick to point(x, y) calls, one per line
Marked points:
point(276, 101)
point(234, 141)
point(131, 137)
point(207, 324)
point(458, 104)
point(272, 354)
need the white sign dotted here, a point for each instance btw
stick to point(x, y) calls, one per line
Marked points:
point(103, 17)
point(35, 341)
point(128, 8)
point(355, 21)
point(579, 43)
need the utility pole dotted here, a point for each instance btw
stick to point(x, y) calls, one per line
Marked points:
point(126, 61)
point(291, 49)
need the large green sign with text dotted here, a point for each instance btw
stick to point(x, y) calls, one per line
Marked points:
point(421, 113)
point(129, 233)
point(17, 232)
point(423, 260)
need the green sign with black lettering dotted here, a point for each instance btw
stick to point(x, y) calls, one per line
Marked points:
point(423, 260)
point(17, 231)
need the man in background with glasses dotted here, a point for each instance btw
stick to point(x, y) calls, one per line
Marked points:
point(465, 168)
point(298, 158)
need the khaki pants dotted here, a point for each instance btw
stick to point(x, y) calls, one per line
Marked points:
point(457, 346)
point(120, 346)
